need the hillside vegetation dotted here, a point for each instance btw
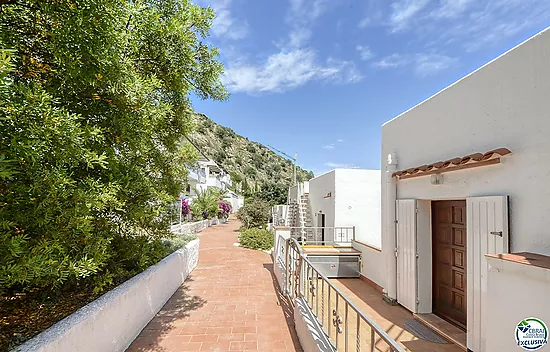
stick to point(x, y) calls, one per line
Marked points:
point(253, 167)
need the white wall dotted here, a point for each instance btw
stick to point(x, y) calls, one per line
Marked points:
point(354, 201)
point(113, 321)
point(504, 104)
point(372, 263)
point(357, 203)
point(517, 291)
point(293, 194)
point(319, 188)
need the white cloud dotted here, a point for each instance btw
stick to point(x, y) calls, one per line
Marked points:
point(339, 140)
point(424, 64)
point(364, 52)
point(404, 11)
point(329, 146)
point(296, 63)
point(451, 8)
point(341, 166)
point(469, 24)
point(364, 22)
point(493, 21)
point(286, 70)
point(224, 24)
point(393, 61)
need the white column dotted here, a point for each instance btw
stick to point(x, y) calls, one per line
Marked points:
point(389, 236)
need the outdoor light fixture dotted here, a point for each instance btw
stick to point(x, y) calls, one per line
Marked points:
point(436, 179)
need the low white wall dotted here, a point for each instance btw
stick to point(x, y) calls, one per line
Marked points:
point(278, 254)
point(113, 321)
point(517, 291)
point(372, 263)
point(190, 227)
point(310, 333)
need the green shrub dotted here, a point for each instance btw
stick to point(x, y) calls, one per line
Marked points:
point(256, 239)
point(254, 213)
point(94, 102)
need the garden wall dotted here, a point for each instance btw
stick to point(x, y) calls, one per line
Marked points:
point(195, 227)
point(114, 320)
point(190, 227)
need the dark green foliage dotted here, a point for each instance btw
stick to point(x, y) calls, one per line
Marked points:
point(206, 202)
point(94, 101)
point(254, 213)
point(273, 193)
point(256, 239)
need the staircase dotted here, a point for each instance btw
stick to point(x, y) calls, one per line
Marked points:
point(300, 213)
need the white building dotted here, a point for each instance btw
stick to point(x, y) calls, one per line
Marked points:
point(348, 198)
point(465, 174)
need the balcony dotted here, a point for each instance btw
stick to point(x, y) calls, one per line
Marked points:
point(197, 174)
point(343, 313)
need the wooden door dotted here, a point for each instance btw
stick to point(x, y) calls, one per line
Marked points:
point(449, 261)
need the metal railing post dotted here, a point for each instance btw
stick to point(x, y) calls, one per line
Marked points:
point(354, 233)
point(302, 269)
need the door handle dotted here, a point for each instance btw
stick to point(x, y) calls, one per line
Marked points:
point(496, 233)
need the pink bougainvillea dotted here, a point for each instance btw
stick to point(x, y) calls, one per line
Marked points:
point(224, 209)
point(185, 208)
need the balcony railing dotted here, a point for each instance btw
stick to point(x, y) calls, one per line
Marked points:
point(323, 236)
point(346, 326)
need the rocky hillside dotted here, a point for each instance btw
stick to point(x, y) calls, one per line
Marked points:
point(250, 164)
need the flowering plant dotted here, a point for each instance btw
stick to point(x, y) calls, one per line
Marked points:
point(224, 209)
point(185, 208)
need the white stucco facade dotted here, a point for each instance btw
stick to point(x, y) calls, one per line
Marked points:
point(503, 104)
point(519, 291)
point(348, 197)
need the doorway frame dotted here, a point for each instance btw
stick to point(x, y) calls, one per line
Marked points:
point(424, 240)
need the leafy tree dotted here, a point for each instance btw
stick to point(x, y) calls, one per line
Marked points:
point(273, 193)
point(94, 100)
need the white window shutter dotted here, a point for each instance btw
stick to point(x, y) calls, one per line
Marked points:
point(487, 233)
point(406, 253)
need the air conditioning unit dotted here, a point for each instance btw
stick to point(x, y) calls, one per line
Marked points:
point(337, 266)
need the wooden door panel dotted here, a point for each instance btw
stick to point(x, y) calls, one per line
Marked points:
point(449, 260)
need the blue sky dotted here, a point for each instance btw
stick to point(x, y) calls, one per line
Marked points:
point(320, 77)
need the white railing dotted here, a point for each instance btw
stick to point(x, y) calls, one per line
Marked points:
point(322, 236)
point(347, 327)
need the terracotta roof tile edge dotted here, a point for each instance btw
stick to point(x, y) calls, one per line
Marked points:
point(449, 164)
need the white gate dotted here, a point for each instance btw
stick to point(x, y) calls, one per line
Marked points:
point(406, 253)
point(487, 233)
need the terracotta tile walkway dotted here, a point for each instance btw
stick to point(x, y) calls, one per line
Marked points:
point(231, 302)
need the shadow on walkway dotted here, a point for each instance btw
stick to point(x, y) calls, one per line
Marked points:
point(168, 320)
point(286, 306)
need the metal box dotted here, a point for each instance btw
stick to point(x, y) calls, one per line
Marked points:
point(337, 266)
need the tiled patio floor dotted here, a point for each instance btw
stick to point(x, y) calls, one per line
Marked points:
point(389, 318)
point(229, 303)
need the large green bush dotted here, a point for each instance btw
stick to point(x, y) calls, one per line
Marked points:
point(254, 213)
point(94, 102)
point(256, 239)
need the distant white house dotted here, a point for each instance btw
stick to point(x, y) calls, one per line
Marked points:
point(465, 181)
point(207, 174)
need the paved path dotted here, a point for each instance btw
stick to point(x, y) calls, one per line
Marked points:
point(231, 302)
